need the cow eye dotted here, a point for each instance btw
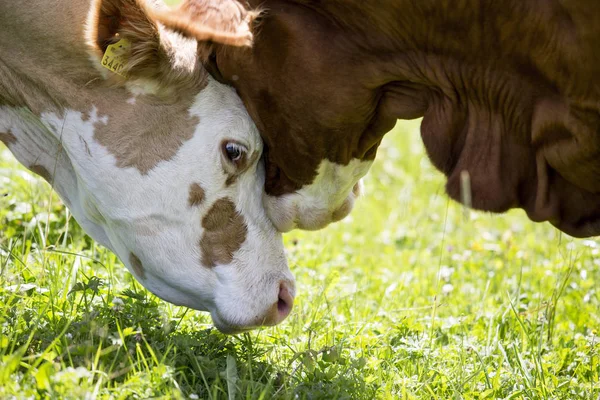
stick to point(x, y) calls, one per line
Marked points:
point(235, 153)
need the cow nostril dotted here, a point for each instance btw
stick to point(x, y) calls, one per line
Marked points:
point(282, 307)
point(285, 301)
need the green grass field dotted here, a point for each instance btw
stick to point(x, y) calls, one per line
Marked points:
point(410, 297)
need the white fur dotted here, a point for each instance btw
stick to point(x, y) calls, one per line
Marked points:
point(314, 206)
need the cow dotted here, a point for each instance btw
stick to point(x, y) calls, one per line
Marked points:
point(156, 160)
point(509, 93)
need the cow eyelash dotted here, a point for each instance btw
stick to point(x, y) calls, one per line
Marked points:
point(235, 155)
point(234, 151)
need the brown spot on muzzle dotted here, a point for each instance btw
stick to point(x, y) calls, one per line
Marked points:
point(196, 196)
point(224, 233)
point(7, 138)
point(137, 266)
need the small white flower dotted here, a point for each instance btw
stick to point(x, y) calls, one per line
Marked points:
point(117, 304)
point(446, 272)
point(447, 288)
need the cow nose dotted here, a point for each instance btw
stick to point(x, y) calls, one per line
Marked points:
point(282, 308)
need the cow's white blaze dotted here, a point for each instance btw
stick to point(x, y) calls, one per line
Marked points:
point(329, 198)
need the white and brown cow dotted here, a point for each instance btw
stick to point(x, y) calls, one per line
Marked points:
point(157, 161)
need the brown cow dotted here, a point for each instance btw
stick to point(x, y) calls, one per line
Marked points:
point(509, 91)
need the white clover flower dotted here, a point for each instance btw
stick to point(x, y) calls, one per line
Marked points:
point(447, 289)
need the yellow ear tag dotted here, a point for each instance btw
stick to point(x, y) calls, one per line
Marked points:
point(116, 56)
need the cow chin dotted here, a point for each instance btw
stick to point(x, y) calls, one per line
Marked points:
point(329, 198)
point(309, 211)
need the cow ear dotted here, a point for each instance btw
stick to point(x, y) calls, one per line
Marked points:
point(225, 22)
point(149, 53)
point(112, 20)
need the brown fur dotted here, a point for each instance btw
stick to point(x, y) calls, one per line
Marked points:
point(152, 55)
point(41, 171)
point(509, 91)
point(196, 196)
point(225, 232)
point(153, 137)
point(154, 58)
point(7, 138)
point(221, 21)
point(137, 266)
point(231, 179)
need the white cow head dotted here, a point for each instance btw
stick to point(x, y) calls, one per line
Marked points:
point(160, 163)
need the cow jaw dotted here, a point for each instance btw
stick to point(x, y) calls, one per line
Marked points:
point(329, 198)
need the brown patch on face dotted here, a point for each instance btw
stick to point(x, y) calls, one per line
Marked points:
point(143, 135)
point(7, 138)
point(196, 196)
point(137, 266)
point(41, 171)
point(225, 232)
point(154, 129)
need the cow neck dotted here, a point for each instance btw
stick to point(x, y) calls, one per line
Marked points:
point(508, 92)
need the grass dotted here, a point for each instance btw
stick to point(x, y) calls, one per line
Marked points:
point(411, 297)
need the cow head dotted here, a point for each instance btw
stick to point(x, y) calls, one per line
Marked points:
point(508, 91)
point(161, 164)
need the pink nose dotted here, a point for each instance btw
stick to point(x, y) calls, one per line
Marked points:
point(282, 308)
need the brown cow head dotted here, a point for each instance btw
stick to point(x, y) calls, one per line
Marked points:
point(509, 92)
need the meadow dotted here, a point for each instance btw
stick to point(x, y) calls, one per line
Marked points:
point(411, 297)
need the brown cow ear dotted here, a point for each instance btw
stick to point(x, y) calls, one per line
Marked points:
point(150, 53)
point(219, 21)
point(112, 20)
